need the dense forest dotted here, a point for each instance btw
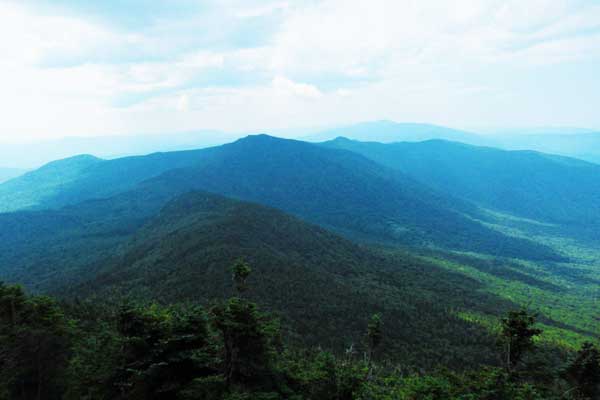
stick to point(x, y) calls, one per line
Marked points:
point(233, 350)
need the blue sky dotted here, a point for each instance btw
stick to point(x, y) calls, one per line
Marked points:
point(79, 68)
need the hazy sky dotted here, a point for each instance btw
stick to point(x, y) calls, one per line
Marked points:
point(80, 67)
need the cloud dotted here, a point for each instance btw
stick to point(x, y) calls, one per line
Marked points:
point(298, 89)
point(85, 67)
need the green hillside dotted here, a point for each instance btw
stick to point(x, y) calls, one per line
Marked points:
point(523, 183)
point(33, 188)
point(334, 188)
point(184, 254)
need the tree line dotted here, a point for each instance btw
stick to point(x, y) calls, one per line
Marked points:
point(232, 350)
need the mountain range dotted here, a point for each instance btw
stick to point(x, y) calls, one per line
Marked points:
point(439, 236)
point(526, 184)
point(583, 144)
point(334, 188)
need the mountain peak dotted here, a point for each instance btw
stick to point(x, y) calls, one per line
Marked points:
point(259, 137)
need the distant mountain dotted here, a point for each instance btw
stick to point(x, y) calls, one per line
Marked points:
point(80, 178)
point(585, 146)
point(33, 155)
point(10, 173)
point(579, 143)
point(389, 131)
point(30, 189)
point(524, 183)
point(334, 188)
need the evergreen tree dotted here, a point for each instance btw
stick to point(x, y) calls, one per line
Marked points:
point(584, 372)
point(248, 336)
point(517, 335)
point(163, 350)
point(34, 345)
point(241, 272)
point(374, 334)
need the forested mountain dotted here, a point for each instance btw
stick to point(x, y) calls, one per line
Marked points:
point(333, 188)
point(583, 144)
point(126, 247)
point(184, 254)
point(523, 183)
point(109, 237)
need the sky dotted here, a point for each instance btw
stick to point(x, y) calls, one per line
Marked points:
point(91, 68)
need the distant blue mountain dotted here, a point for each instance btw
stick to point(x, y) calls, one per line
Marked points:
point(525, 183)
point(572, 142)
point(389, 131)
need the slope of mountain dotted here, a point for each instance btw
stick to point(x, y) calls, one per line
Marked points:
point(524, 183)
point(10, 173)
point(345, 192)
point(80, 178)
point(390, 131)
point(334, 188)
point(30, 189)
point(324, 287)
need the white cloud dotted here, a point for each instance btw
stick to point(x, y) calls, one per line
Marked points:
point(321, 62)
point(287, 86)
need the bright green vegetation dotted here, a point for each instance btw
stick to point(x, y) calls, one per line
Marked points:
point(232, 350)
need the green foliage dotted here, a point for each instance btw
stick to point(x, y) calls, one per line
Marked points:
point(374, 333)
point(584, 372)
point(34, 345)
point(241, 272)
point(137, 351)
point(248, 339)
point(517, 336)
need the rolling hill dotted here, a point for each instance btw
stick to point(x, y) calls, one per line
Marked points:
point(334, 188)
point(527, 184)
point(180, 250)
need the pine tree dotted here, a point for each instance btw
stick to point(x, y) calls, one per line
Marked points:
point(517, 336)
point(584, 372)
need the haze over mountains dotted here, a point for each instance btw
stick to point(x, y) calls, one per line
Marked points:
point(579, 143)
point(9, 173)
point(573, 142)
